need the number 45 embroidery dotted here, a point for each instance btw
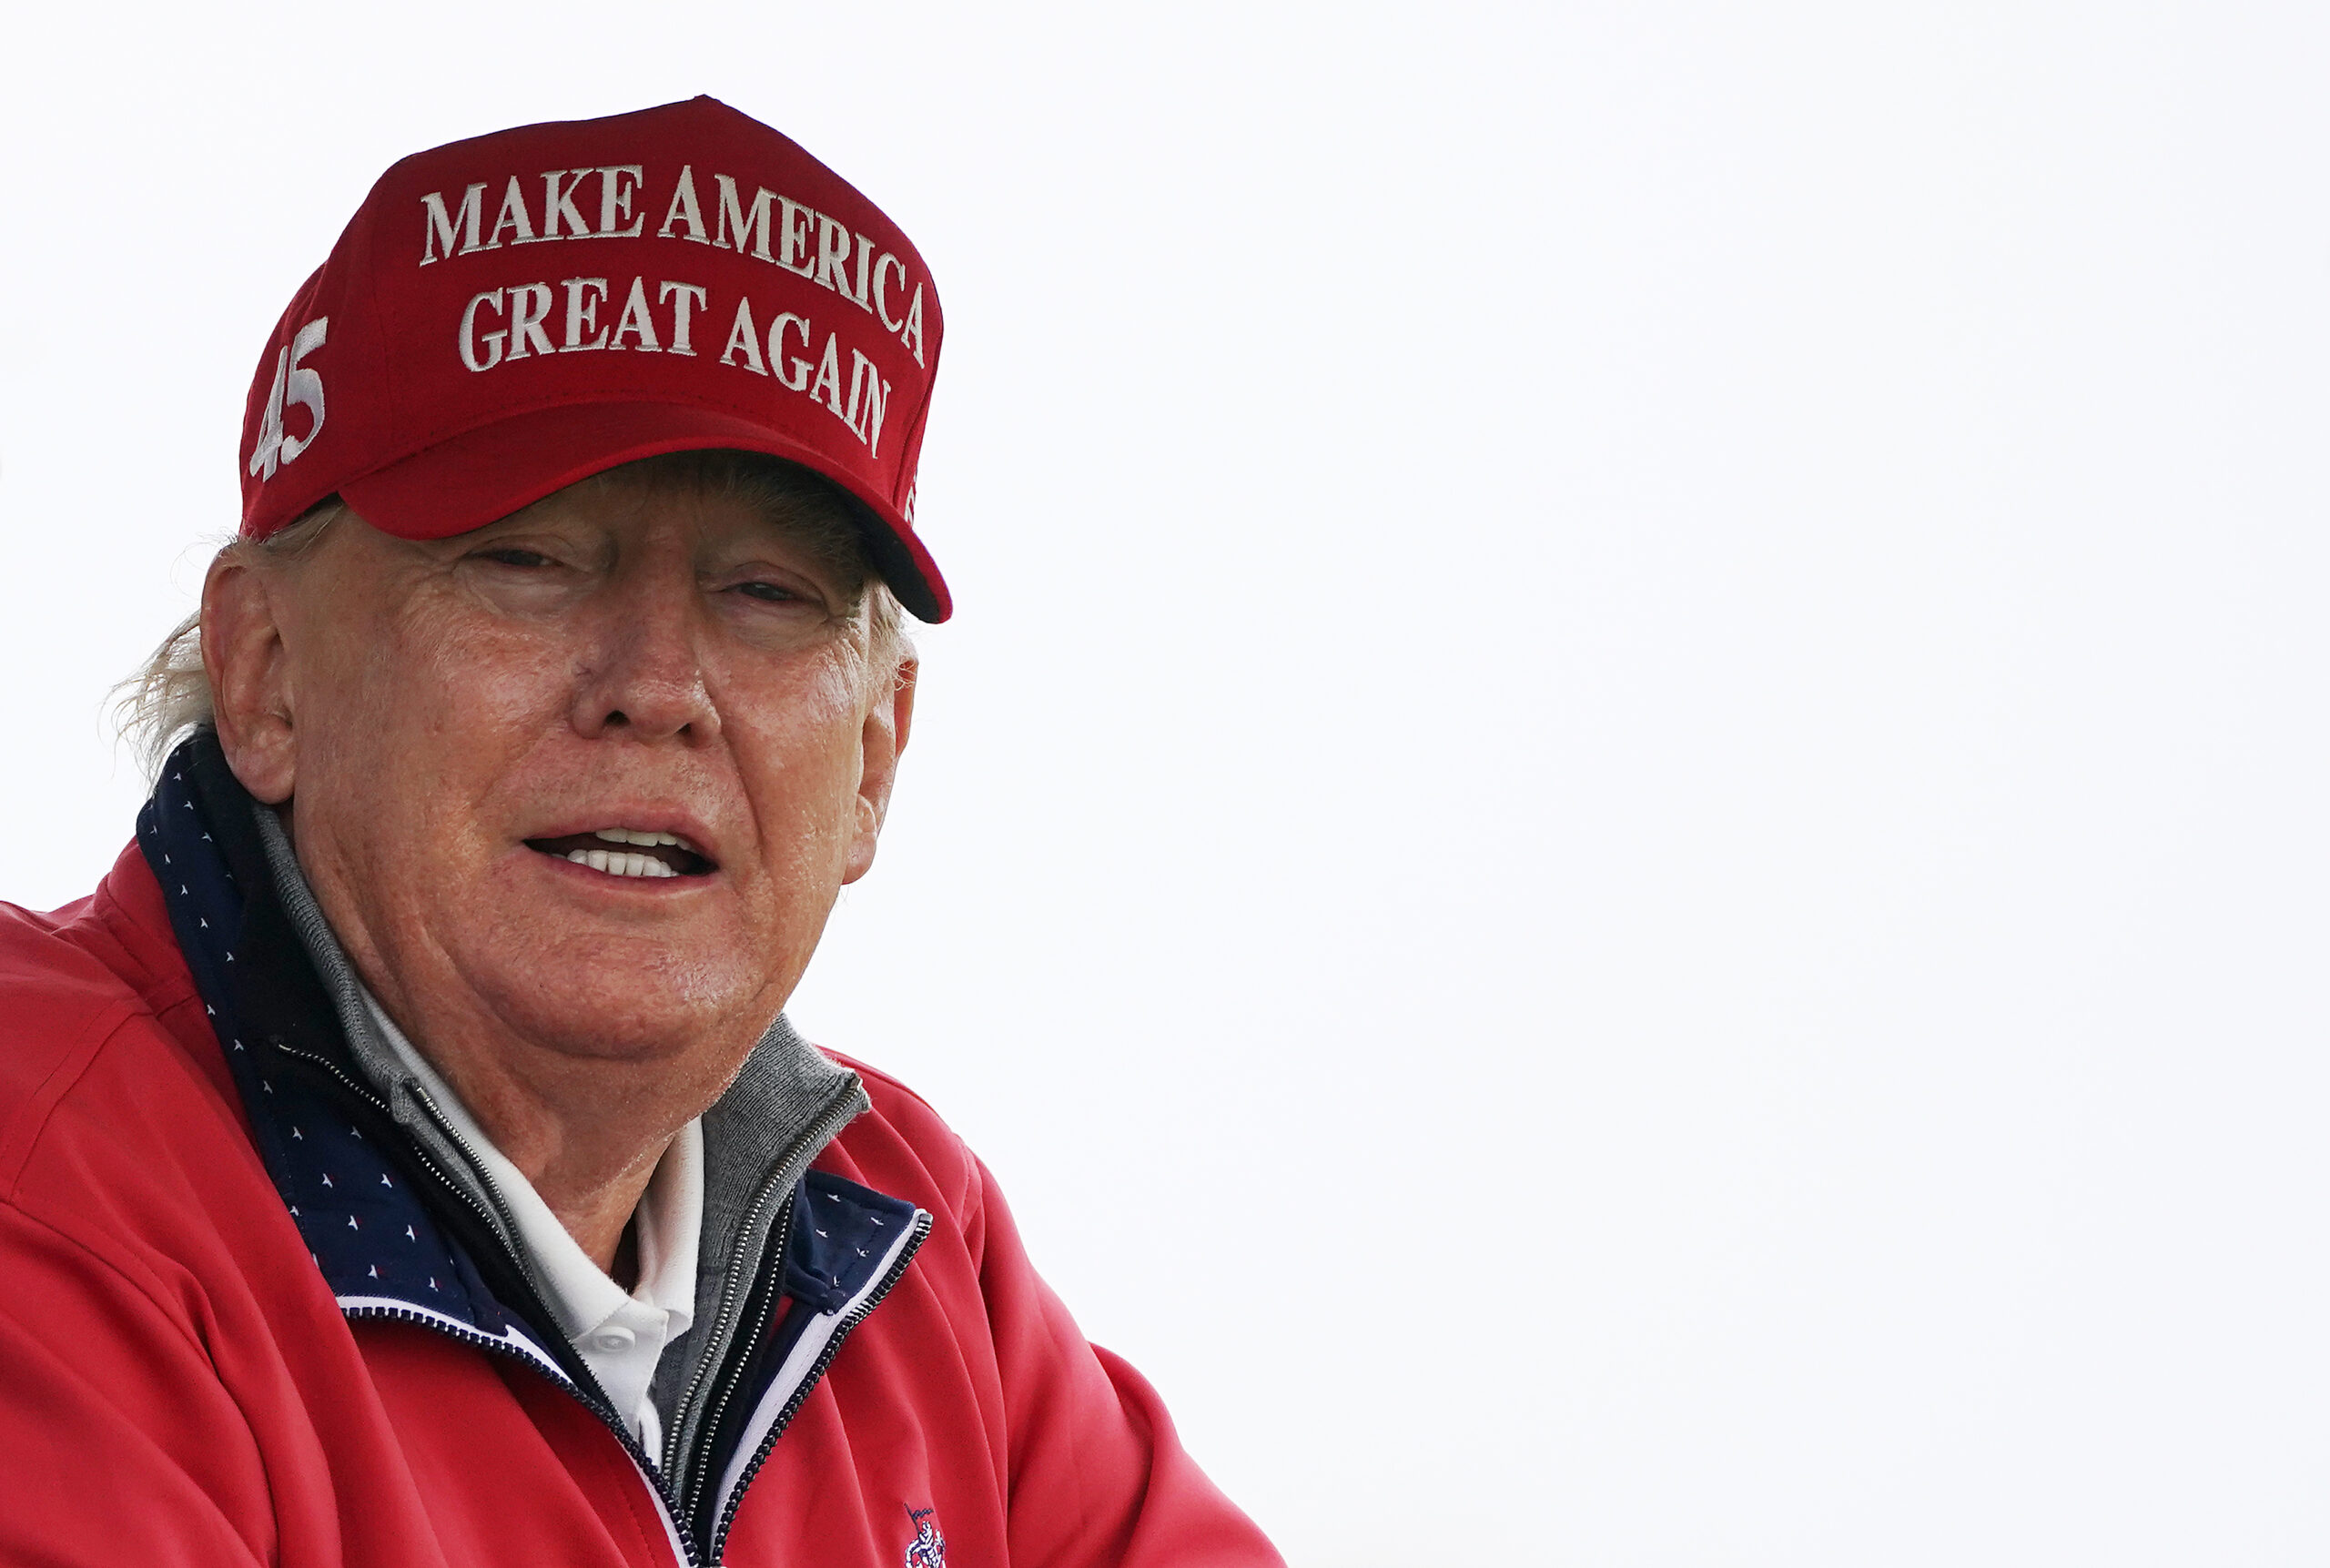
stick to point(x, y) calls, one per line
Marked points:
point(293, 385)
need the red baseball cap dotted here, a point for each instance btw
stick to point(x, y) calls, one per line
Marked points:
point(508, 315)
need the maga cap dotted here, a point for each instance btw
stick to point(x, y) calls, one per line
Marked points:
point(508, 315)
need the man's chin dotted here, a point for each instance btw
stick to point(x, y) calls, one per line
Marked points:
point(616, 997)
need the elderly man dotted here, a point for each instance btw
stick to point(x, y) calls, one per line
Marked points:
point(403, 1156)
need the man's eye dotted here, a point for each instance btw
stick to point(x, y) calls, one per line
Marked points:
point(511, 555)
point(768, 592)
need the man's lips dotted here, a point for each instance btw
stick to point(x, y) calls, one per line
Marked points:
point(628, 852)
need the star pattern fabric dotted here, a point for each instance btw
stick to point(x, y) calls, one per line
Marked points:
point(369, 1235)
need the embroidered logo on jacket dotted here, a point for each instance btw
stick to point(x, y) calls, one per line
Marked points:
point(929, 1548)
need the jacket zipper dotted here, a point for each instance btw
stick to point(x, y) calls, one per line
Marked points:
point(493, 1222)
point(589, 1395)
point(728, 1296)
point(718, 1540)
point(508, 1227)
point(733, 1291)
point(692, 1494)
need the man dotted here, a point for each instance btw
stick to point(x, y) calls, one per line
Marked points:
point(404, 1157)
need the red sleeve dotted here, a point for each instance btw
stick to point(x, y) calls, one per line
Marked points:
point(121, 1444)
point(1098, 1477)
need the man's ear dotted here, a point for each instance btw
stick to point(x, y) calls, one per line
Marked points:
point(887, 723)
point(244, 655)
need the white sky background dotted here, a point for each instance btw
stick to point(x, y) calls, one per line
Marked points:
point(1622, 845)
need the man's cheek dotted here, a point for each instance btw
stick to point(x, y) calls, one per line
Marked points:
point(533, 681)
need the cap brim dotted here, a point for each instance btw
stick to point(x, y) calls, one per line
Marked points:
point(485, 474)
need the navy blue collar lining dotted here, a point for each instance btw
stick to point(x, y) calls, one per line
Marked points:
point(367, 1227)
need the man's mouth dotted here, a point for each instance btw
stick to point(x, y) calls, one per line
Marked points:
point(628, 852)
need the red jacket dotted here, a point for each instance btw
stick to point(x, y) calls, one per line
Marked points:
point(179, 1385)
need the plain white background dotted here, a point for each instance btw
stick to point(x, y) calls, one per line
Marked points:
point(1621, 847)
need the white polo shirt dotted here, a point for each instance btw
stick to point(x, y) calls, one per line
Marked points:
point(620, 1336)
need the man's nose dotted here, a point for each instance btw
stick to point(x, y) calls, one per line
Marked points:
point(642, 675)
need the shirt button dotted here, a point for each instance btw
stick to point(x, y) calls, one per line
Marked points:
point(613, 1340)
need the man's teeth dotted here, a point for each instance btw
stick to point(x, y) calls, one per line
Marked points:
point(620, 864)
point(637, 835)
point(623, 862)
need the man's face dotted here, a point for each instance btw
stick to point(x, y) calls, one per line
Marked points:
point(454, 721)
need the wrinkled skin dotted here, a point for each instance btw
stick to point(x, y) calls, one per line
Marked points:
point(633, 653)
